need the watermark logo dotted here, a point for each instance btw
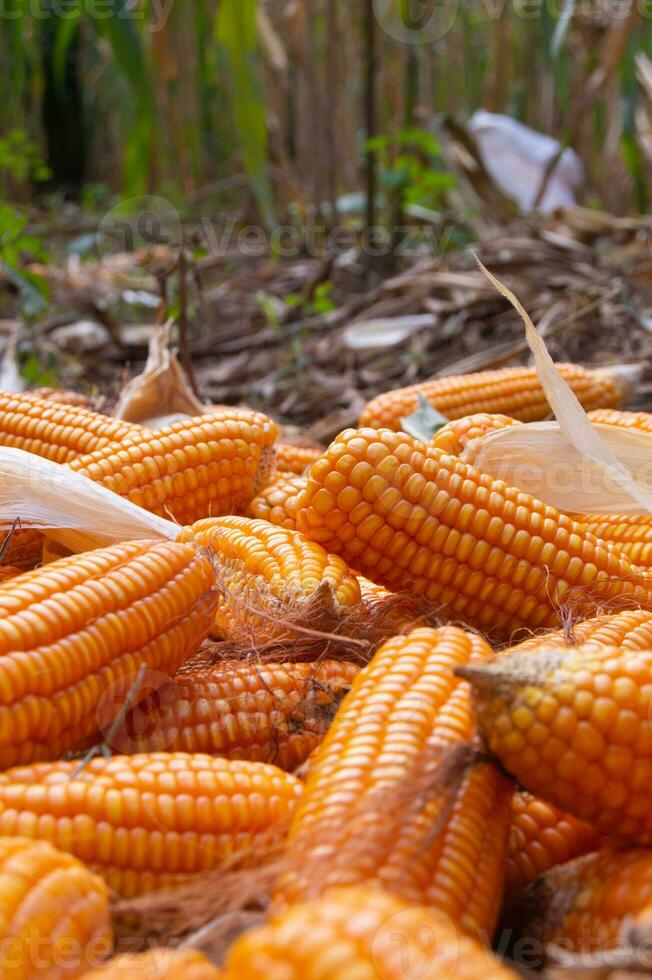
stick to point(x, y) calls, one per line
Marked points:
point(417, 944)
point(147, 225)
point(416, 21)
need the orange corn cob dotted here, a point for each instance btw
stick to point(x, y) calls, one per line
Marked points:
point(629, 630)
point(624, 420)
point(277, 503)
point(158, 964)
point(573, 726)
point(629, 535)
point(541, 837)
point(265, 713)
point(270, 578)
point(24, 549)
point(55, 912)
point(454, 437)
point(589, 903)
point(359, 934)
point(376, 789)
point(55, 431)
point(209, 465)
point(60, 395)
point(149, 821)
point(295, 459)
point(515, 392)
point(74, 635)
point(411, 517)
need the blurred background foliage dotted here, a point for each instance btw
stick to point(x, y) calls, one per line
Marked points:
point(262, 105)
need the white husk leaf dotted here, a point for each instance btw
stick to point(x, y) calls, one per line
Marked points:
point(162, 390)
point(538, 459)
point(79, 512)
point(573, 420)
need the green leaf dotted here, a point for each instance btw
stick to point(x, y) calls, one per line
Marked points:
point(236, 31)
point(425, 422)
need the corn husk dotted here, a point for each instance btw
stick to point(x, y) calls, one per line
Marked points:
point(162, 394)
point(595, 463)
point(68, 507)
point(539, 459)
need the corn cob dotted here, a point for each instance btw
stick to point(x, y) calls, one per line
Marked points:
point(277, 503)
point(376, 789)
point(454, 437)
point(73, 636)
point(209, 465)
point(55, 912)
point(149, 821)
point(624, 420)
point(629, 630)
point(588, 904)
point(157, 964)
point(515, 392)
point(411, 517)
point(573, 726)
point(295, 459)
point(58, 432)
point(61, 396)
point(274, 713)
point(629, 535)
point(359, 934)
point(271, 579)
point(24, 549)
point(541, 837)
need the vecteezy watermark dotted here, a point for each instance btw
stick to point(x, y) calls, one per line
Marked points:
point(156, 12)
point(416, 21)
point(148, 225)
point(418, 943)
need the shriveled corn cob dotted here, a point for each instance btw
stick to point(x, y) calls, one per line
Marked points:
point(573, 726)
point(271, 579)
point(55, 431)
point(274, 713)
point(149, 821)
point(630, 535)
point(629, 630)
point(74, 635)
point(540, 837)
point(454, 437)
point(377, 789)
point(624, 420)
point(295, 459)
point(209, 465)
point(587, 905)
point(361, 933)
point(412, 517)
point(158, 964)
point(515, 392)
point(54, 913)
point(277, 503)
point(24, 549)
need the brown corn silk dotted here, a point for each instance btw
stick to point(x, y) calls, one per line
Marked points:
point(75, 634)
point(57, 431)
point(630, 629)
point(515, 392)
point(588, 905)
point(198, 467)
point(275, 713)
point(144, 822)
point(540, 837)
point(411, 517)
point(277, 503)
point(383, 802)
point(359, 932)
point(158, 964)
point(272, 580)
point(55, 912)
point(573, 727)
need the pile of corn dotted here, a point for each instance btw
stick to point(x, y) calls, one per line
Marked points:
point(420, 697)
